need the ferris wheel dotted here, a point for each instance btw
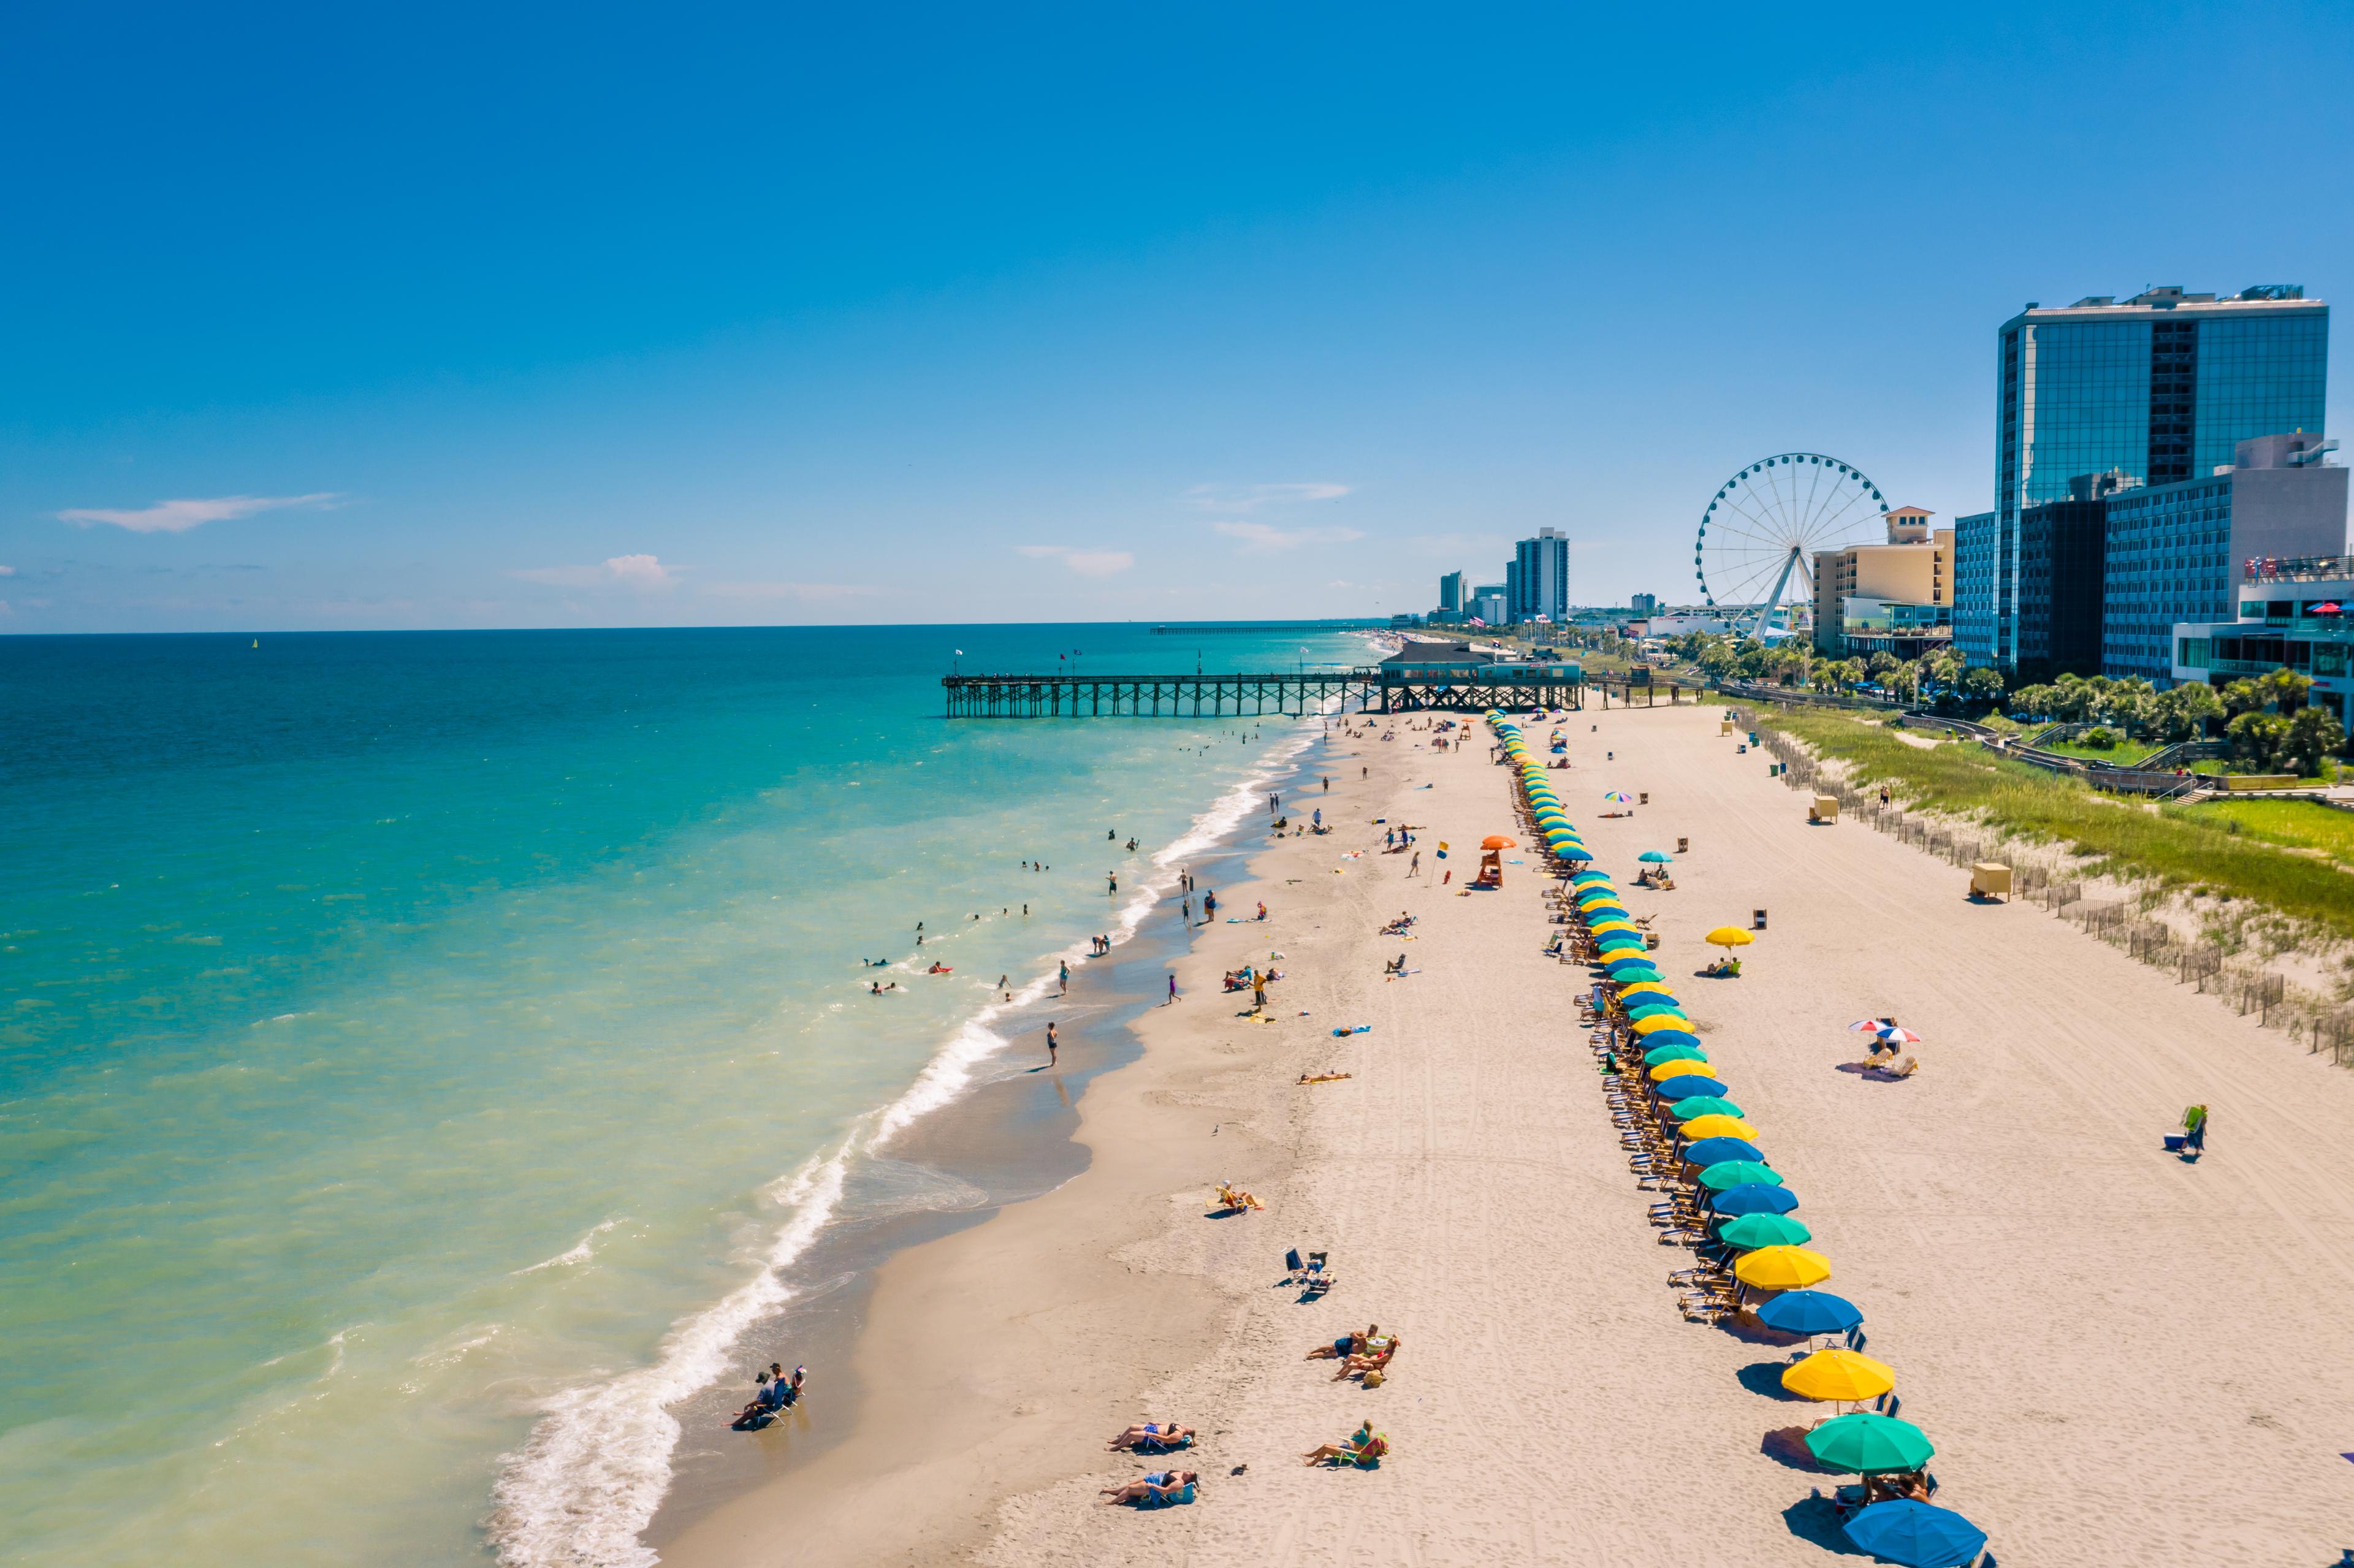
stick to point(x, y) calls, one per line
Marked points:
point(1767, 523)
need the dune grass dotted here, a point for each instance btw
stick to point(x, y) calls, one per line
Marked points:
point(2178, 847)
point(2303, 824)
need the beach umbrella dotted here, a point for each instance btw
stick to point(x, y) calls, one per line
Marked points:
point(1601, 927)
point(1783, 1268)
point(1730, 936)
point(1660, 1072)
point(1662, 1022)
point(1755, 1231)
point(1718, 1126)
point(1708, 1108)
point(1573, 851)
point(1810, 1312)
point(1671, 1037)
point(1648, 1007)
point(1622, 972)
point(1602, 909)
point(1895, 1036)
point(1621, 941)
point(1836, 1375)
point(1730, 1173)
point(1866, 1442)
point(1649, 987)
point(1626, 961)
point(1589, 878)
point(1868, 1025)
point(1617, 799)
point(1655, 857)
point(1604, 894)
point(1752, 1197)
point(1660, 1055)
point(1690, 1085)
point(1497, 842)
point(1711, 1150)
point(1916, 1535)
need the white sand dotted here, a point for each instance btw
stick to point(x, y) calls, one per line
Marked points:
point(2121, 1357)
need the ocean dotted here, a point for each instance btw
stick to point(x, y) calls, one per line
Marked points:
point(426, 1059)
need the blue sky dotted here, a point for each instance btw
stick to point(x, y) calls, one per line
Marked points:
point(485, 316)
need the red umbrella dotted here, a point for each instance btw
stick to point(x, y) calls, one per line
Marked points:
point(2330, 607)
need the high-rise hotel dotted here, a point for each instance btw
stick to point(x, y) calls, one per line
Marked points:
point(2106, 395)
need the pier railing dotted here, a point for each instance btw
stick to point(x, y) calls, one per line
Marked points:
point(1476, 689)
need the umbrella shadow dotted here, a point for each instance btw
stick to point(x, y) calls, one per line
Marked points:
point(1766, 1378)
point(1788, 1445)
point(1815, 1519)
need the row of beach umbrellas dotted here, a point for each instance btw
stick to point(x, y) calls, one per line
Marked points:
point(1751, 1204)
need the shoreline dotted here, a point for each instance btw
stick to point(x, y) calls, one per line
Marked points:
point(1011, 1137)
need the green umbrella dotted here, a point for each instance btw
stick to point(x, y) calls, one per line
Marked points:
point(1748, 1231)
point(1655, 857)
point(1738, 1173)
point(1675, 1053)
point(1703, 1105)
point(1866, 1441)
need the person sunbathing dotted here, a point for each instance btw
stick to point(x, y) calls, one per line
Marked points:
point(1376, 1357)
point(1322, 1077)
point(1157, 1488)
point(1167, 1433)
point(1345, 1346)
point(1357, 1449)
point(1234, 1197)
point(1396, 965)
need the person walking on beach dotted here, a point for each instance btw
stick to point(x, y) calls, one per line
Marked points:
point(1050, 1044)
point(1063, 979)
point(1414, 867)
point(1209, 907)
point(2194, 1133)
point(1173, 990)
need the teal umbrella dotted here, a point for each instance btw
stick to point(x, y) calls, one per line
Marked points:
point(1749, 1230)
point(1655, 1007)
point(1652, 1058)
point(1655, 857)
point(1698, 1106)
point(1864, 1442)
point(1739, 1173)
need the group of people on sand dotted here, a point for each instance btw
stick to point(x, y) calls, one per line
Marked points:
point(1365, 1355)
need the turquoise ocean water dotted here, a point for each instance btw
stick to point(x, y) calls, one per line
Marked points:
point(423, 1057)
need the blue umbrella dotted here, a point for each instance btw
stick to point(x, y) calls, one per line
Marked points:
point(1658, 1037)
point(1711, 1150)
point(1916, 1535)
point(1626, 961)
point(1754, 1198)
point(1686, 1084)
point(1810, 1312)
point(1567, 853)
point(1601, 912)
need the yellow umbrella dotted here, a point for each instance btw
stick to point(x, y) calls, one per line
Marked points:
point(1593, 899)
point(1839, 1376)
point(1659, 1021)
point(1701, 1127)
point(1614, 926)
point(1666, 1070)
point(1640, 986)
point(1731, 937)
point(1783, 1268)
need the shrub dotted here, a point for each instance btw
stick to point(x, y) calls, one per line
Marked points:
point(2100, 738)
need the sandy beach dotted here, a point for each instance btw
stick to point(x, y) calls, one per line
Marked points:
point(2120, 1357)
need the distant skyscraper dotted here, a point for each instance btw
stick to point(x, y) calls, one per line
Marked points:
point(1450, 591)
point(1643, 604)
point(2155, 390)
point(1539, 577)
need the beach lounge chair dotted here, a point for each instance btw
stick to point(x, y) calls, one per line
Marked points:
point(1184, 1494)
point(1163, 1446)
point(1907, 1068)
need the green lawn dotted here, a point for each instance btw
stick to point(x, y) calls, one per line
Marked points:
point(2124, 754)
point(2178, 847)
point(2304, 823)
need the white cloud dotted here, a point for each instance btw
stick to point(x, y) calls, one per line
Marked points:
point(7, 571)
point(641, 572)
point(1259, 536)
point(1251, 497)
point(1086, 563)
point(179, 516)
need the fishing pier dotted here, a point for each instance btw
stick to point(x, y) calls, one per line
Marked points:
point(1422, 678)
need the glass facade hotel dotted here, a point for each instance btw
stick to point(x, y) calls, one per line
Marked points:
point(2106, 395)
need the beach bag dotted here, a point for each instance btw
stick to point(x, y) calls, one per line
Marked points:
point(1374, 1378)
